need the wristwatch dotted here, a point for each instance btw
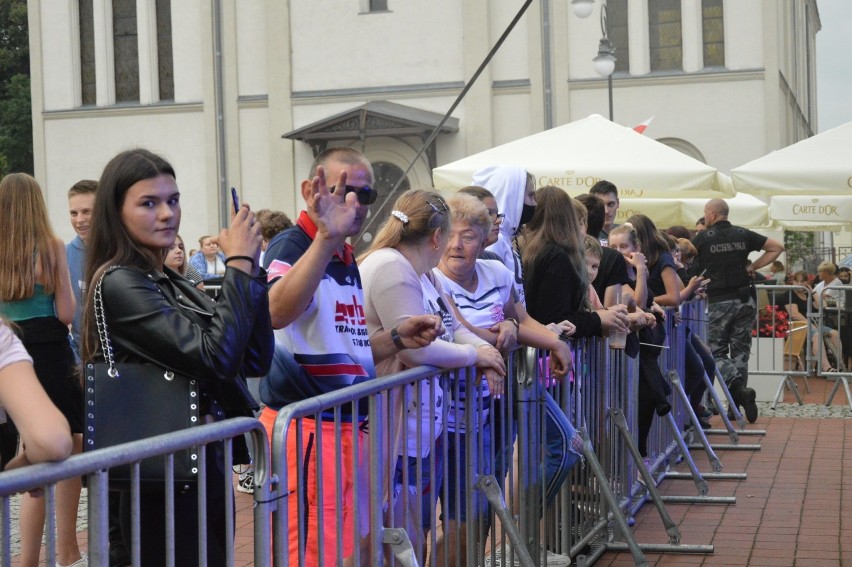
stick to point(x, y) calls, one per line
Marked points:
point(397, 340)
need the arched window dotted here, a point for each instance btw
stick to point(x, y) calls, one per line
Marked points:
point(714, 33)
point(385, 177)
point(665, 36)
point(683, 147)
point(618, 33)
point(125, 50)
point(165, 64)
point(87, 52)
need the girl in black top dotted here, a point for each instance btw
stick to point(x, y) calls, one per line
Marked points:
point(154, 315)
point(554, 268)
point(653, 390)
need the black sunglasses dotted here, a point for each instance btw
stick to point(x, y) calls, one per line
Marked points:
point(366, 194)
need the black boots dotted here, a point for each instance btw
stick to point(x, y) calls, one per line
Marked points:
point(744, 397)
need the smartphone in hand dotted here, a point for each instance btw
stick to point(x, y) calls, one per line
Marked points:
point(235, 199)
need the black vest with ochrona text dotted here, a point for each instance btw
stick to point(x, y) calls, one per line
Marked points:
point(724, 253)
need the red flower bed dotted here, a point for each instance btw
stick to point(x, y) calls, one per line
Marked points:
point(772, 321)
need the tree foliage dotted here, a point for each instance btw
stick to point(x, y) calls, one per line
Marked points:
point(16, 138)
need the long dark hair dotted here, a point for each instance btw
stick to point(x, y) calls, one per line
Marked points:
point(555, 223)
point(110, 243)
point(651, 241)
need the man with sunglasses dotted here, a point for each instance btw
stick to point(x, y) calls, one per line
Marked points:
point(316, 302)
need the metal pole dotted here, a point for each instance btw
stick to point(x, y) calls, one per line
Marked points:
point(547, 71)
point(219, 109)
point(609, 88)
point(450, 111)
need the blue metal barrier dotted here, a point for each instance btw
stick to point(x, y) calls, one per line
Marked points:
point(396, 517)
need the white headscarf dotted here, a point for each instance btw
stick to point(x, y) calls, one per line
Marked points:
point(508, 184)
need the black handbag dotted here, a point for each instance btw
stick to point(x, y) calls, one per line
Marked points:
point(130, 401)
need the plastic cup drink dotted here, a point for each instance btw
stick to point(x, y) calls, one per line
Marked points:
point(617, 339)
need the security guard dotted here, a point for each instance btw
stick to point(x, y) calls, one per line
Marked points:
point(723, 251)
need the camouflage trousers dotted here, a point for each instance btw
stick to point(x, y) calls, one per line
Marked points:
point(729, 328)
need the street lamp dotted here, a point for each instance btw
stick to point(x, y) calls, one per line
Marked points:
point(582, 8)
point(605, 59)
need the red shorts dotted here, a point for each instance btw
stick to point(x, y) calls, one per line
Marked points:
point(304, 503)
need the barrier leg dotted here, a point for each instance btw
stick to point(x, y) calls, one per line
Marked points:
point(717, 401)
point(779, 393)
point(400, 546)
point(700, 483)
point(834, 391)
point(488, 485)
point(621, 423)
point(696, 429)
point(617, 515)
point(728, 426)
point(733, 406)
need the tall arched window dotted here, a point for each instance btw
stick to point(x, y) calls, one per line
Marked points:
point(165, 65)
point(87, 52)
point(714, 33)
point(666, 38)
point(125, 50)
point(618, 33)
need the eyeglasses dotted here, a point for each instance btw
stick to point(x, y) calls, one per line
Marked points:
point(498, 217)
point(366, 194)
point(466, 238)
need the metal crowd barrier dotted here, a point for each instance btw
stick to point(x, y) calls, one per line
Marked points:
point(784, 349)
point(95, 467)
point(343, 499)
point(587, 518)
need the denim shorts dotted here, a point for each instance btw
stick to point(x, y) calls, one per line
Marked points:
point(429, 493)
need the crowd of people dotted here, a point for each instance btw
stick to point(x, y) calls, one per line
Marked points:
point(448, 282)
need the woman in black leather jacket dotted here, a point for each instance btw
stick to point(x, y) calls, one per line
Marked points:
point(155, 315)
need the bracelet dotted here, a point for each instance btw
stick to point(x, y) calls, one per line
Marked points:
point(246, 258)
point(397, 340)
point(515, 322)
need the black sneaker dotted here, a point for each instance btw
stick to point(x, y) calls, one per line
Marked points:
point(118, 555)
point(749, 404)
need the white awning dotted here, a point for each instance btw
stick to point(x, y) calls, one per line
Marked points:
point(577, 155)
point(825, 208)
point(820, 165)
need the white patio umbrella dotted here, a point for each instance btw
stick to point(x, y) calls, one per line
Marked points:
point(577, 155)
point(744, 210)
point(809, 182)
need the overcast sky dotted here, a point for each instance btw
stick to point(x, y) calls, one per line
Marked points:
point(834, 63)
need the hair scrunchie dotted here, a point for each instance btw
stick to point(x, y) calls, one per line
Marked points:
point(403, 218)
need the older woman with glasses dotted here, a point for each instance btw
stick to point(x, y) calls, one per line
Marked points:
point(486, 303)
point(396, 273)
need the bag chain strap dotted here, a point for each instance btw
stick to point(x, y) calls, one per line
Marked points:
point(100, 321)
point(103, 335)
